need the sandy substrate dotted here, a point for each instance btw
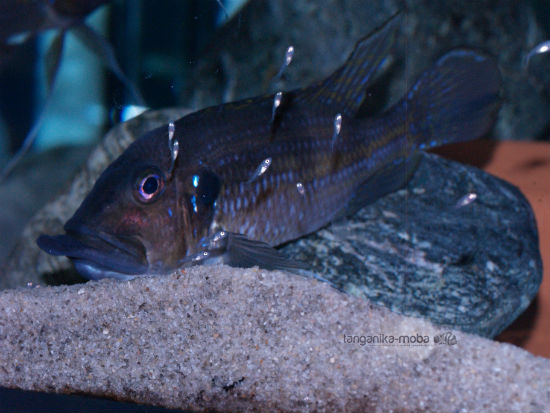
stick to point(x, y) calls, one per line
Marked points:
point(246, 340)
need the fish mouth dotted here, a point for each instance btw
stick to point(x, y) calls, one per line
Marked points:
point(97, 254)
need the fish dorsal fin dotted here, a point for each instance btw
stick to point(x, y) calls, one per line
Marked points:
point(345, 88)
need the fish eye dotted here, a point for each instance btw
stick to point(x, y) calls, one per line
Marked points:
point(148, 186)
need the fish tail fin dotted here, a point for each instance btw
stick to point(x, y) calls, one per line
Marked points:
point(456, 100)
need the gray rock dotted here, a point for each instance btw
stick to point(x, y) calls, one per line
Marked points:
point(34, 182)
point(224, 339)
point(475, 267)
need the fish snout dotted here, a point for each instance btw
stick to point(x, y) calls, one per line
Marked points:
point(97, 254)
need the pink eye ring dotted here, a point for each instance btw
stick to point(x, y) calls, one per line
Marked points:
point(149, 186)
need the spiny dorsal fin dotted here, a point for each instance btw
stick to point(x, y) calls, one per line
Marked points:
point(345, 88)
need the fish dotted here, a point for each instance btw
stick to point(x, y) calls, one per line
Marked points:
point(230, 183)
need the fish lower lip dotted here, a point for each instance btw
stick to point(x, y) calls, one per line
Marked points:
point(94, 271)
point(98, 257)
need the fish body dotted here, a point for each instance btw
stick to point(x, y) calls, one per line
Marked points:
point(251, 175)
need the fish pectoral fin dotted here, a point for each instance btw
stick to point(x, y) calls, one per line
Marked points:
point(244, 252)
point(241, 251)
point(388, 179)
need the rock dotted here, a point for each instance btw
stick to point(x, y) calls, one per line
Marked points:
point(31, 184)
point(225, 339)
point(474, 267)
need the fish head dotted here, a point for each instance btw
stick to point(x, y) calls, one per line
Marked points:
point(133, 221)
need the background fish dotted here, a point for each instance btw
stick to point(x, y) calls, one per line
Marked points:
point(21, 20)
point(257, 173)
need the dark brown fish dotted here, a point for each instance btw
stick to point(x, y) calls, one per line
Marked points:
point(250, 175)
